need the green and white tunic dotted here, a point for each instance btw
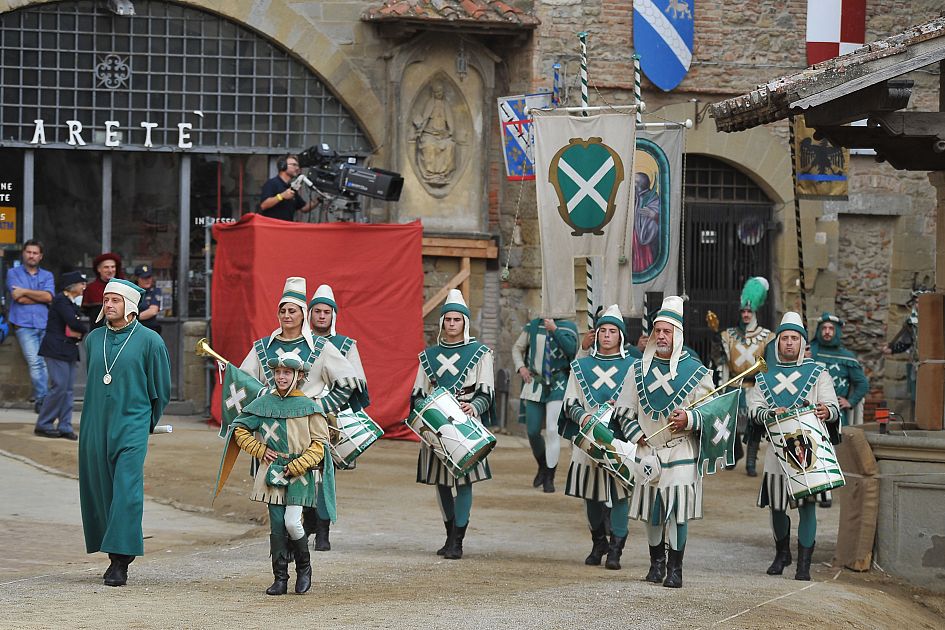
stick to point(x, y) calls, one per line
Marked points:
point(548, 357)
point(331, 381)
point(594, 380)
point(787, 385)
point(644, 407)
point(348, 347)
point(466, 370)
point(849, 379)
point(294, 428)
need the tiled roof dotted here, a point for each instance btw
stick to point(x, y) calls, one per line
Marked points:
point(482, 13)
point(878, 61)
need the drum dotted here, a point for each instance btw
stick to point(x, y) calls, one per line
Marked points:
point(458, 440)
point(597, 440)
point(355, 433)
point(802, 445)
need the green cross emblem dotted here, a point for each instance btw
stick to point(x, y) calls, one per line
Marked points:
point(586, 175)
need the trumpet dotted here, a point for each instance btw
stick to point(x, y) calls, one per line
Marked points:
point(203, 349)
point(759, 366)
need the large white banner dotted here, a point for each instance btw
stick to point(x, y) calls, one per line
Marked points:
point(584, 182)
point(657, 180)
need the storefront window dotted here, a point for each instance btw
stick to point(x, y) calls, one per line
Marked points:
point(67, 213)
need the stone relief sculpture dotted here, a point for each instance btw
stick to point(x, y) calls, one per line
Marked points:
point(435, 138)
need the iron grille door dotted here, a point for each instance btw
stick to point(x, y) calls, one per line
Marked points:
point(726, 243)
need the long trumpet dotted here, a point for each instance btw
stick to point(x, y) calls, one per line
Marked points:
point(759, 366)
point(203, 349)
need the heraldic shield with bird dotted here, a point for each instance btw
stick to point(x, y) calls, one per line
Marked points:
point(586, 175)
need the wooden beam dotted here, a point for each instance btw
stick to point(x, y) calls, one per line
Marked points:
point(464, 268)
point(461, 252)
point(440, 295)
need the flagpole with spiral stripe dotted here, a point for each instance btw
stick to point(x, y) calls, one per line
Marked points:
point(588, 262)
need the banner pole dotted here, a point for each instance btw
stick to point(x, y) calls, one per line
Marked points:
point(637, 90)
point(588, 262)
point(555, 89)
point(797, 224)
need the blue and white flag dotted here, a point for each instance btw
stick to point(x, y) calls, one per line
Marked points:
point(663, 36)
point(516, 126)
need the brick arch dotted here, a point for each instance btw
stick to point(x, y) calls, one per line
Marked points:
point(756, 152)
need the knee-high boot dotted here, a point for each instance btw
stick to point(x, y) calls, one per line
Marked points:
point(674, 569)
point(322, 528)
point(278, 547)
point(657, 563)
point(803, 562)
point(449, 537)
point(548, 483)
point(455, 552)
point(782, 556)
point(615, 551)
point(599, 538)
point(303, 564)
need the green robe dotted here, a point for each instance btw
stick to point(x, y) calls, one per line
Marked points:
point(113, 437)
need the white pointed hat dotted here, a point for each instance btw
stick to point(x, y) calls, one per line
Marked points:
point(324, 295)
point(454, 304)
point(793, 322)
point(671, 312)
point(293, 292)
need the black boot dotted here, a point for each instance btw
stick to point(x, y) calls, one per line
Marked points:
point(309, 520)
point(548, 484)
point(803, 562)
point(826, 499)
point(542, 471)
point(674, 569)
point(751, 458)
point(117, 573)
point(278, 547)
point(782, 557)
point(449, 538)
point(303, 564)
point(455, 552)
point(614, 552)
point(657, 564)
point(322, 527)
point(599, 536)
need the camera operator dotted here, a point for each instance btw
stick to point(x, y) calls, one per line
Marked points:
point(277, 199)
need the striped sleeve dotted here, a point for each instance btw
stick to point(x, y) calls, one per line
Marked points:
point(245, 440)
point(308, 460)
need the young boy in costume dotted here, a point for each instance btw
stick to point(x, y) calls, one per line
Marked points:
point(294, 442)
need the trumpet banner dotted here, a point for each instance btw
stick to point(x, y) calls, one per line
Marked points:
point(584, 185)
point(376, 272)
point(717, 442)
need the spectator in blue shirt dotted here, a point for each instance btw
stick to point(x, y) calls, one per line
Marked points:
point(31, 290)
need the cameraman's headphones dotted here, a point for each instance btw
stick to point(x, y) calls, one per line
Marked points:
point(282, 164)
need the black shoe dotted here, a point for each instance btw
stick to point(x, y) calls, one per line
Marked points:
point(599, 538)
point(303, 564)
point(449, 538)
point(826, 503)
point(674, 569)
point(44, 433)
point(540, 475)
point(118, 575)
point(548, 483)
point(803, 562)
point(455, 552)
point(782, 557)
point(38, 406)
point(69, 435)
point(322, 528)
point(278, 547)
point(614, 552)
point(657, 564)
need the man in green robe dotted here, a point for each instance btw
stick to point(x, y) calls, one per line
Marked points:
point(129, 384)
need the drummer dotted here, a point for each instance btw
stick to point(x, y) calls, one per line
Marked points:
point(323, 314)
point(596, 380)
point(668, 489)
point(793, 381)
point(463, 366)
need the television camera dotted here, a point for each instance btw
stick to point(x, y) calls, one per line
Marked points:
point(338, 179)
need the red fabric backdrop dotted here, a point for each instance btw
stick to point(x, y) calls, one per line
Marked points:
point(376, 272)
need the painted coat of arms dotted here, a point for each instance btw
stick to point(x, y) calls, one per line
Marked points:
point(662, 36)
point(585, 175)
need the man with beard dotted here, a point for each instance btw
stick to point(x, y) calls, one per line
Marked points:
point(668, 489)
point(849, 379)
point(793, 381)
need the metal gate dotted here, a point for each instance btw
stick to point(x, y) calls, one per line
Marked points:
point(727, 240)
